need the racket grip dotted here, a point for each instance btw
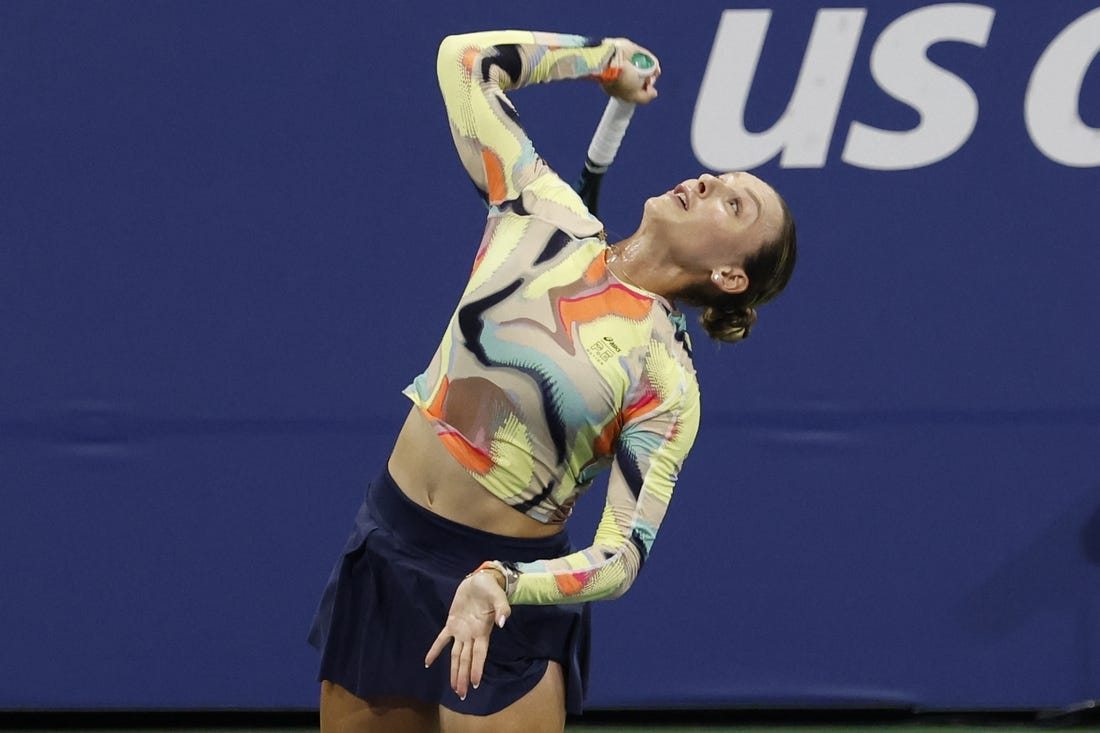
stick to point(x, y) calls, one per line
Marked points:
point(588, 186)
point(609, 134)
point(607, 138)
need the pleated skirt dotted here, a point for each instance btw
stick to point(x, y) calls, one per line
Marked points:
point(388, 596)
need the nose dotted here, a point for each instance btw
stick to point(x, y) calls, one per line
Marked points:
point(708, 183)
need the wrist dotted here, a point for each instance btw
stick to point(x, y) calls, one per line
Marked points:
point(505, 574)
point(496, 575)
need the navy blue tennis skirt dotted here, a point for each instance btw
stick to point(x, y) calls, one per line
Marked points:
point(388, 597)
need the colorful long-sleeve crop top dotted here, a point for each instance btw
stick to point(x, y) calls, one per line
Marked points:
point(551, 370)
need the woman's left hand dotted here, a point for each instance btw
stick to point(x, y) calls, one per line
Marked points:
point(479, 602)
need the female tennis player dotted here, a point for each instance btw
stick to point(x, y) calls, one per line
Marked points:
point(564, 358)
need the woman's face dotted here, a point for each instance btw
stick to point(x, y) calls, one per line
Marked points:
point(712, 222)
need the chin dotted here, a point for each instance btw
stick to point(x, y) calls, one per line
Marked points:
point(663, 208)
point(653, 204)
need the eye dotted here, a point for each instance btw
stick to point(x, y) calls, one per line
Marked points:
point(735, 204)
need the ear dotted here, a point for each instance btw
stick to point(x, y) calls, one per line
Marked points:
point(730, 280)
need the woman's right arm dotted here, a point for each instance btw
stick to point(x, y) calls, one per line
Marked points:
point(476, 69)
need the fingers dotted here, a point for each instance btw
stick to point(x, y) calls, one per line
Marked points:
point(467, 663)
point(467, 660)
point(462, 656)
point(477, 662)
point(501, 612)
point(466, 667)
point(479, 602)
point(634, 83)
point(438, 646)
point(456, 668)
point(467, 657)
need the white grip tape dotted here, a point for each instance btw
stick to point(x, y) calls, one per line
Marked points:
point(609, 133)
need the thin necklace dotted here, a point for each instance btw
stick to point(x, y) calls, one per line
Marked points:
point(621, 274)
point(614, 257)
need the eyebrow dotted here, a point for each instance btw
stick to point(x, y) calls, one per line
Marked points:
point(751, 195)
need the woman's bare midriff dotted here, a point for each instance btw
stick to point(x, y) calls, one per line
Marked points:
point(429, 475)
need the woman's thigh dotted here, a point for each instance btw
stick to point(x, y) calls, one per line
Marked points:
point(343, 712)
point(542, 710)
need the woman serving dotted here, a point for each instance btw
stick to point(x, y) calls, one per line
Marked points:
point(565, 358)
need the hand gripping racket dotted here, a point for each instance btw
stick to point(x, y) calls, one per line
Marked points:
point(607, 138)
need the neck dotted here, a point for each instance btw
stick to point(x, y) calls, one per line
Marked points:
point(627, 262)
point(618, 263)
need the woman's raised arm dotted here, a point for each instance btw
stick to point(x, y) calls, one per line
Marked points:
point(476, 69)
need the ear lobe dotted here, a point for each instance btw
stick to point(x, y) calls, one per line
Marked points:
point(730, 280)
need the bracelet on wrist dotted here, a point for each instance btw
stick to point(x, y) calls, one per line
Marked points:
point(507, 570)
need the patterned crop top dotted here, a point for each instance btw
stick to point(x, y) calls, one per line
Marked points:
point(551, 370)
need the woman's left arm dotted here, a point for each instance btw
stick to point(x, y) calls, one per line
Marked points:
point(657, 436)
point(659, 429)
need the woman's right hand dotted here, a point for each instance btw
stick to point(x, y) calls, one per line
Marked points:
point(631, 85)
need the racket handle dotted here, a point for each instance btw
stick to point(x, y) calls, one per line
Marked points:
point(601, 151)
point(608, 137)
point(609, 133)
point(588, 187)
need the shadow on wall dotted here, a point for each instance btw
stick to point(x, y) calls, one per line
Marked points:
point(1048, 575)
point(1090, 536)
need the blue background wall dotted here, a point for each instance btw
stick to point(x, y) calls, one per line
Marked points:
point(230, 233)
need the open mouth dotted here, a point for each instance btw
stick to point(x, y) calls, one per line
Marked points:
point(681, 194)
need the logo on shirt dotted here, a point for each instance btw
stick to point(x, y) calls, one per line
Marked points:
point(604, 349)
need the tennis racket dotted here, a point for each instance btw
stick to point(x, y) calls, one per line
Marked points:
point(607, 138)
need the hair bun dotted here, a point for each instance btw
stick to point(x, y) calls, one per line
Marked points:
point(729, 324)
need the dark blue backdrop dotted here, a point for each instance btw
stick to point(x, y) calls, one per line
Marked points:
point(231, 232)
